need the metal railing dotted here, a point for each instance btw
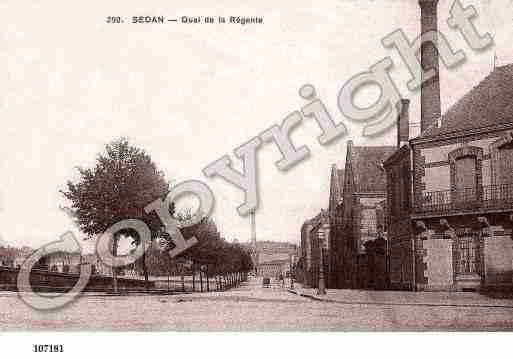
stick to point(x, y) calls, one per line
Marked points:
point(498, 196)
point(486, 197)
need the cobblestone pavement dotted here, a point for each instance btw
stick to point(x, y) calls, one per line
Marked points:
point(249, 307)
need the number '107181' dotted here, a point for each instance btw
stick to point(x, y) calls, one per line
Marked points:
point(47, 348)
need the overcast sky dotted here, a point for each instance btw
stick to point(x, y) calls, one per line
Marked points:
point(190, 94)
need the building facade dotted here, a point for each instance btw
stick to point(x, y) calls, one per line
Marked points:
point(335, 212)
point(309, 253)
point(450, 190)
point(320, 249)
point(364, 190)
point(274, 268)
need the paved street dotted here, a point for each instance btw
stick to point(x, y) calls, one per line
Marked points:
point(252, 307)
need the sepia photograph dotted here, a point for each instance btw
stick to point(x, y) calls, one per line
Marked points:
point(284, 170)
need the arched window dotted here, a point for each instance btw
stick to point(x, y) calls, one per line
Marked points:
point(502, 168)
point(466, 165)
point(465, 179)
point(505, 163)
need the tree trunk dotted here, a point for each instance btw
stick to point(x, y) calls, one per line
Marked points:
point(208, 281)
point(183, 279)
point(193, 278)
point(115, 240)
point(201, 279)
point(145, 270)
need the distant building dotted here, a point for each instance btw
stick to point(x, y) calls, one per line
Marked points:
point(266, 252)
point(318, 232)
point(63, 262)
point(307, 268)
point(274, 268)
point(22, 254)
point(320, 246)
point(304, 269)
point(97, 266)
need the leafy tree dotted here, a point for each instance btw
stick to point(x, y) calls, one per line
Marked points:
point(122, 182)
point(213, 255)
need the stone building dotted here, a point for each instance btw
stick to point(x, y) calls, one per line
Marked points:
point(308, 273)
point(450, 190)
point(319, 237)
point(21, 255)
point(266, 252)
point(335, 212)
point(274, 268)
point(364, 190)
point(305, 257)
point(318, 232)
point(63, 262)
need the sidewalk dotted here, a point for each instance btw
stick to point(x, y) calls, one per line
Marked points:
point(438, 299)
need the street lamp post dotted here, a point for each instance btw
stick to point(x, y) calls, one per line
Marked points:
point(321, 290)
point(290, 274)
point(321, 287)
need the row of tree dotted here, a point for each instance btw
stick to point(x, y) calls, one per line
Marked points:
point(122, 182)
point(212, 258)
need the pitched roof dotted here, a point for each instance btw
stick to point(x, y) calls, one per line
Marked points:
point(340, 175)
point(336, 187)
point(321, 217)
point(366, 164)
point(490, 103)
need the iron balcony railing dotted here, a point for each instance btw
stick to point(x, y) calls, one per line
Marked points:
point(493, 197)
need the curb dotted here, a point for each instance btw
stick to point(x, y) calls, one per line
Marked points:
point(310, 296)
point(313, 297)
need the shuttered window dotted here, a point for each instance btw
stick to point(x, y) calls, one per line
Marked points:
point(465, 180)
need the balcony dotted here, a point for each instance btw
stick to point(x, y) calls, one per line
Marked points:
point(494, 198)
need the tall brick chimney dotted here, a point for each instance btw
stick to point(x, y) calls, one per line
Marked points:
point(403, 122)
point(430, 110)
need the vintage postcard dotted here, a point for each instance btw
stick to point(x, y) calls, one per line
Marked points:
point(255, 166)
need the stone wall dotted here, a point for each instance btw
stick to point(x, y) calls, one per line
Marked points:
point(439, 267)
point(498, 260)
point(61, 282)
